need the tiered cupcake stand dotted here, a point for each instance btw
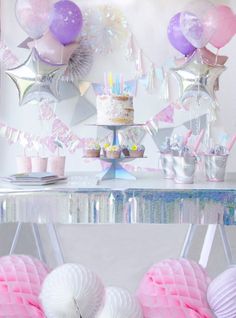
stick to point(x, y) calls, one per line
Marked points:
point(116, 171)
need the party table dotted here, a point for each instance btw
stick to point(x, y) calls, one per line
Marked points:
point(148, 200)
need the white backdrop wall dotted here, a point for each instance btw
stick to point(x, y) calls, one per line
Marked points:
point(148, 21)
point(123, 257)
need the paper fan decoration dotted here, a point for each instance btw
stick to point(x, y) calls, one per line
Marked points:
point(72, 291)
point(80, 62)
point(105, 27)
point(119, 303)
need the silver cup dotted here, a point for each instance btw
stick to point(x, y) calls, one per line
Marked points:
point(167, 165)
point(215, 166)
point(184, 168)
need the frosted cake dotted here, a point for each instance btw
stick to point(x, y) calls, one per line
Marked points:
point(115, 110)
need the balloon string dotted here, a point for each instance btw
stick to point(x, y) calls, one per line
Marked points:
point(217, 54)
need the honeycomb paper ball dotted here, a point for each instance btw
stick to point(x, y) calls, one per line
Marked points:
point(221, 294)
point(175, 289)
point(71, 291)
point(119, 303)
point(21, 278)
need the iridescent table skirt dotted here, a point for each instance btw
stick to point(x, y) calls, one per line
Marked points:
point(149, 199)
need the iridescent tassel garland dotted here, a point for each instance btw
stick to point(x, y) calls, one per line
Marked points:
point(139, 64)
point(151, 79)
point(130, 50)
point(80, 62)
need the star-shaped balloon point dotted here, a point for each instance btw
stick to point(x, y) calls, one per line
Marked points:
point(36, 79)
point(197, 79)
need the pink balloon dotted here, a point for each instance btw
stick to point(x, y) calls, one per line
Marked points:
point(34, 16)
point(51, 50)
point(225, 26)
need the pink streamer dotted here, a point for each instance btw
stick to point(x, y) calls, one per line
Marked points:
point(198, 140)
point(231, 143)
point(186, 137)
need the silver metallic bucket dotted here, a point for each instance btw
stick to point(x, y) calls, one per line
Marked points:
point(167, 165)
point(215, 166)
point(184, 169)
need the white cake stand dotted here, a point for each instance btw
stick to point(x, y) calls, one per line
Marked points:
point(116, 171)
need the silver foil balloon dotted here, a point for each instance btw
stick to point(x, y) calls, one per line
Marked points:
point(197, 79)
point(36, 79)
point(215, 166)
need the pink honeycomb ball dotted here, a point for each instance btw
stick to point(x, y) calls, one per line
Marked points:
point(175, 288)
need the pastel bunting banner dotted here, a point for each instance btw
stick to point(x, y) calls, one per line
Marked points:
point(83, 110)
point(130, 87)
point(98, 88)
point(83, 87)
point(60, 133)
point(132, 135)
point(27, 140)
point(166, 115)
point(7, 57)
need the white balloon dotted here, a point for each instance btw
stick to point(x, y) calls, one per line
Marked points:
point(72, 291)
point(119, 303)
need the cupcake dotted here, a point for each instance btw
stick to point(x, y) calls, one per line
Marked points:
point(136, 151)
point(113, 152)
point(125, 150)
point(93, 150)
point(104, 148)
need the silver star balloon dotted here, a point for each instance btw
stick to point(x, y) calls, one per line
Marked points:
point(197, 79)
point(36, 79)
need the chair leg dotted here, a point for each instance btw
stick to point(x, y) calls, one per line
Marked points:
point(226, 245)
point(55, 243)
point(15, 238)
point(38, 242)
point(207, 245)
point(188, 240)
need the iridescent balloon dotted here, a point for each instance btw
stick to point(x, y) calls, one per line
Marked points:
point(196, 22)
point(34, 16)
point(36, 79)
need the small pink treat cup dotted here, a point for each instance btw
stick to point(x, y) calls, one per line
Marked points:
point(39, 164)
point(23, 164)
point(57, 165)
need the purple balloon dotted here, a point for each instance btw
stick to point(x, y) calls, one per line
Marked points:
point(67, 21)
point(176, 37)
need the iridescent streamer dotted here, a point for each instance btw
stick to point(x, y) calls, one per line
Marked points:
point(164, 91)
point(139, 64)
point(151, 79)
point(130, 50)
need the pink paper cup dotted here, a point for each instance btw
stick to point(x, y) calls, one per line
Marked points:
point(23, 164)
point(39, 164)
point(57, 165)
